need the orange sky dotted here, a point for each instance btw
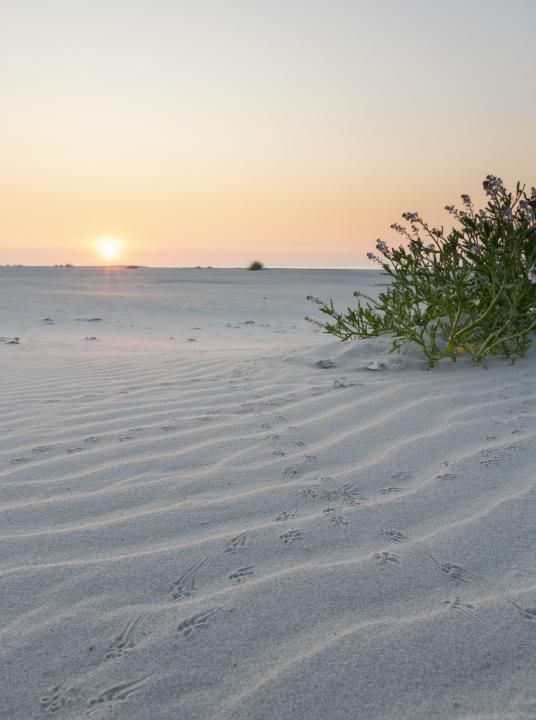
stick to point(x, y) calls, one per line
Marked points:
point(216, 133)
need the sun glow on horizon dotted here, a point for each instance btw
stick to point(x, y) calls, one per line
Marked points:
point(206, 133)
point(109, 248)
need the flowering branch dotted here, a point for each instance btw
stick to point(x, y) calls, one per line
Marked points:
point(472, 290)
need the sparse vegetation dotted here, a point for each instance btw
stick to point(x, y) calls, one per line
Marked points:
point(470, 291)
point(256, 265)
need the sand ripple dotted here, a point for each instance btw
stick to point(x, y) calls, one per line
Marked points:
point(230, 534)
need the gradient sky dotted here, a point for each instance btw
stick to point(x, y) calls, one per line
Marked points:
point(216, 132)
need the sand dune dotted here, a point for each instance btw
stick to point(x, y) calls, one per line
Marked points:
point(198, 522)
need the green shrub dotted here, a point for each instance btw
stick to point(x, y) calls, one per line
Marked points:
point(256, 265)
point(470, 291)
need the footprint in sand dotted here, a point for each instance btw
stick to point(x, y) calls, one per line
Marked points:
point(402, 475)
point(525, 613)
point(349, 494)
point(291, 471)
point(310, 493)
point(460, 606)
point(291, 536)
point(394, 536)
point(191, 626)
point(237, 543)
point(184, 586)
point(286, 515)
point(494, 457)
point(118, 692)
point(455, 572)
point(335, 517)
point(124, 642)
point(242, 574)
point(387, 559)
point(59, 698)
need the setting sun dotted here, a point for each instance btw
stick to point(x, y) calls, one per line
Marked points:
point(109, 248)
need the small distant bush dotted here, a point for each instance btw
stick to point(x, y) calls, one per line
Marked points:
point(256, 265)
point(469, 291)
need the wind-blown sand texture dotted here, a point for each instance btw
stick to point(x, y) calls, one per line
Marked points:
point(199, 523)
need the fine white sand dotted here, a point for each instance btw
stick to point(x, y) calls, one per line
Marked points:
point(198, 522)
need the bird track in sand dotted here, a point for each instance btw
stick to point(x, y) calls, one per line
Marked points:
point(124, 642)
point(118, 692)
point(191, 626)
point(184, 586)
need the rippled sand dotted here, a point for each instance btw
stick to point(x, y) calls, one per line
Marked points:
point(199, 522)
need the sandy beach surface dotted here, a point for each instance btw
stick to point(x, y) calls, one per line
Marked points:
point(199, 522)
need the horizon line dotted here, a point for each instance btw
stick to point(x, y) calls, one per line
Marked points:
point(69, 266)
